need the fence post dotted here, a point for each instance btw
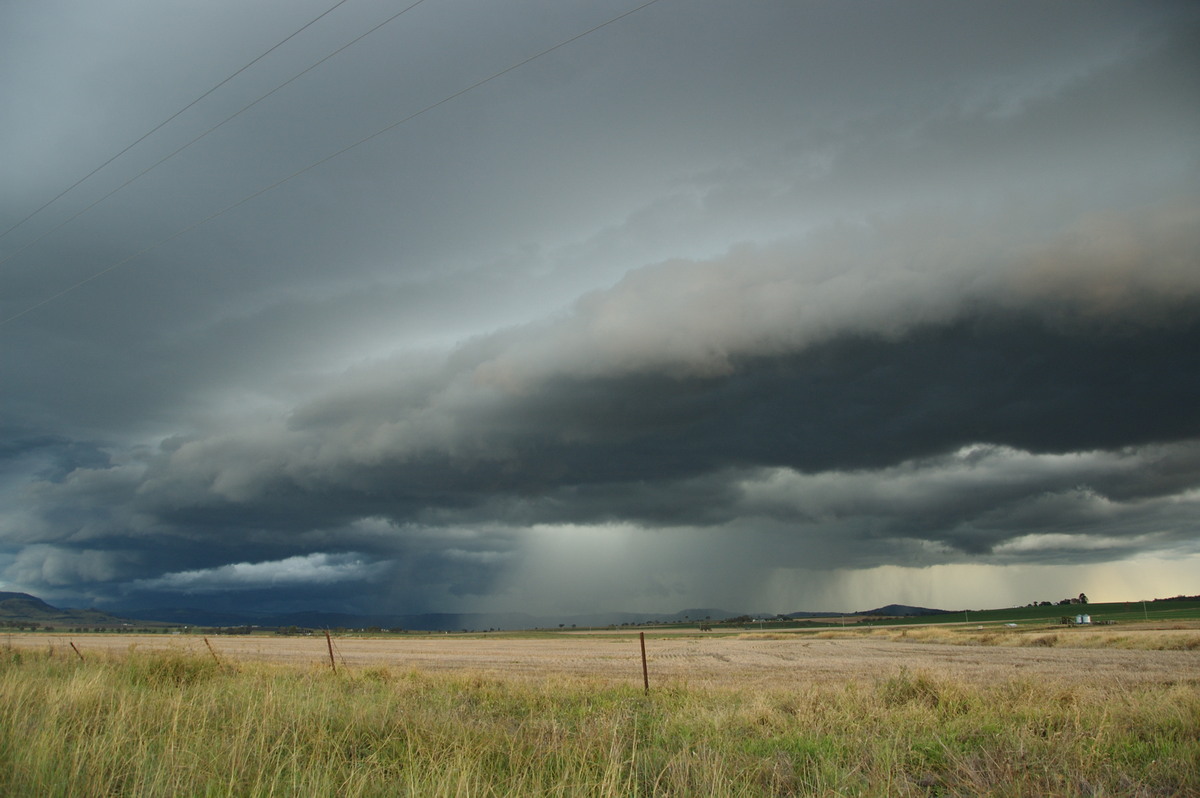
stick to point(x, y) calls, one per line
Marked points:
point(211, 651)
point(329, 642)
point(645, 671)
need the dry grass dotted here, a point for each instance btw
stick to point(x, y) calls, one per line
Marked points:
point(177, 722)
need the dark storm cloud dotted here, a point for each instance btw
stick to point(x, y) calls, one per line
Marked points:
point(669, 449)
point(793, 286)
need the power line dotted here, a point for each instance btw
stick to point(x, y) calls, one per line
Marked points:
point(162, 124)
point(227, 119)
point(326, 159)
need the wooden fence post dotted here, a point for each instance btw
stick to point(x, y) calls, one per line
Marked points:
point(645, 670)
point(329, 642)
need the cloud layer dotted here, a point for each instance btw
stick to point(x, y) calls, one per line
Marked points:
point(587, 337)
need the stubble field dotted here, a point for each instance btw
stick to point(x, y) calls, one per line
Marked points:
point(744, 660)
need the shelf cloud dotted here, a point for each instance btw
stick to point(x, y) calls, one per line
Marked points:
point(715, 304)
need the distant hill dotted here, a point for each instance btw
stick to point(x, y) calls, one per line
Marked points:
point(901, 611)
point(22, 608)
point(17, 602)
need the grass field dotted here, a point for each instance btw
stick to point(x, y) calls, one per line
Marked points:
point(872, 714)
point(1158, 611)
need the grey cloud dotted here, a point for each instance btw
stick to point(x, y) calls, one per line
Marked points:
point(856, 402)
point(878, 278)
point(429, 443)
point(292, 571)
point(816, 285)
point(1001, 501)
point(56, 567)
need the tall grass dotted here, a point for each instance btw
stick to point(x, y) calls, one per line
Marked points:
point(174, 724)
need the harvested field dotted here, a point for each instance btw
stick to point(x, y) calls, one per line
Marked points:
point(714, 661)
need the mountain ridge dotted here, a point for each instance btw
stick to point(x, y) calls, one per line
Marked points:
point(901, 611)
point(23, 608)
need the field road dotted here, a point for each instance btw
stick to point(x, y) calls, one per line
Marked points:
point(708, 661)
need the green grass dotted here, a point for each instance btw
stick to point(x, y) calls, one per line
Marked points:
point(1157, 611)
point(170, 724)
point(1161, 611)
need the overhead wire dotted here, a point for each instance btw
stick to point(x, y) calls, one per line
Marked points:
point(172, 117)
point(114, 266)
point(227, 119)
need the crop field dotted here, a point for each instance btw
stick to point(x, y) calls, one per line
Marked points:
point(918, 711)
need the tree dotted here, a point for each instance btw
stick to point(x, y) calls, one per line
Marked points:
point(1082, 598)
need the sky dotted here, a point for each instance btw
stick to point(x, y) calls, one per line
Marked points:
point(770, 306)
